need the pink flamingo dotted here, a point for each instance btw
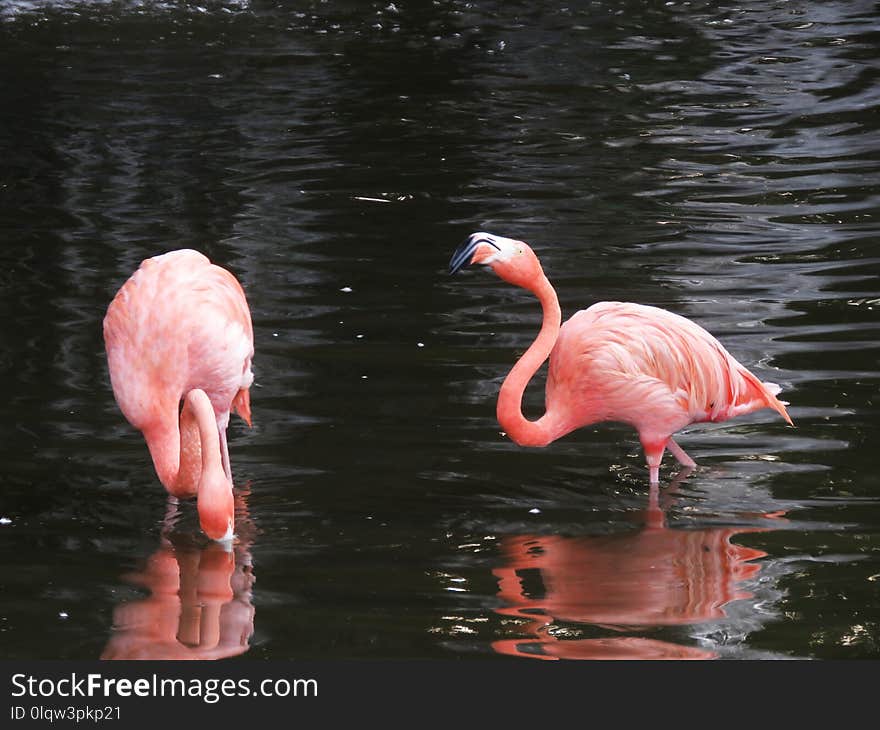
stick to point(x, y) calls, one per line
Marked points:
point(180, 329)
point(615, 361)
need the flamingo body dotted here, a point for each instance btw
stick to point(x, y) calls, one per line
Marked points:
point(653, 369)
point(180, 330)
point(616, 361)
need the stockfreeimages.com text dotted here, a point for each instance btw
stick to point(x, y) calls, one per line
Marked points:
point(209, 690)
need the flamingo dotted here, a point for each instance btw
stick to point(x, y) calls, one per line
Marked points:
point(615, 361)
point(180, 329)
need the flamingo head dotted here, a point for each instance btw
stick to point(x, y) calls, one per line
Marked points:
point(216, 506)
point(512, 260)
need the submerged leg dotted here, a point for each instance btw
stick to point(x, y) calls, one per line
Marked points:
point(654, 518)
point(680, 454)
point(172, 514)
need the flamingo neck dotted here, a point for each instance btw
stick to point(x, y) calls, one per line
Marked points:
point(523, 431)
point(188, 461)
point(168, 445)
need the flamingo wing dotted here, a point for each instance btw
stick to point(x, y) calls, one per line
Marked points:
point(648, 367)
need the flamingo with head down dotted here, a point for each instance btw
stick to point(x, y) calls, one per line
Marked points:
point(180, 330)
point(615, 361)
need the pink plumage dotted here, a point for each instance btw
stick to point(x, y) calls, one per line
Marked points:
point(180, 329)
point(616, 361)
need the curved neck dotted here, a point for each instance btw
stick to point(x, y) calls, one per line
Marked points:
point(188, 460)
point(509, 411)
point(185, 449)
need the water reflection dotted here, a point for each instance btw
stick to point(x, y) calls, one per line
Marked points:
point(199, 603)
point(654, 577)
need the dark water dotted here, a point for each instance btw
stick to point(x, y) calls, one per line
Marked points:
point(722, 161)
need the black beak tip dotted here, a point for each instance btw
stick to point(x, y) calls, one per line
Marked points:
point(462, 256)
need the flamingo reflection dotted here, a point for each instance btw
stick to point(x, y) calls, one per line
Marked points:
point(199, 605)
point(654, 577)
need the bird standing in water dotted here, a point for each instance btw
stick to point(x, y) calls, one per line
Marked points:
point(615, 361)
point(180, 330)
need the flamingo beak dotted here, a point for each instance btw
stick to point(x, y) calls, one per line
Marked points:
point(465, 254)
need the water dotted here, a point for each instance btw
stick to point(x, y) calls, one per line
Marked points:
point(721, 162)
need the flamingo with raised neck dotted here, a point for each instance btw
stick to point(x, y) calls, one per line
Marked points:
point(615, 361)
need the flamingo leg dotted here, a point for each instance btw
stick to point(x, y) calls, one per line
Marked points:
point(224, 454)
point(654, 518)
point(654, 455)
point(172, 514)
point(680, 454)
